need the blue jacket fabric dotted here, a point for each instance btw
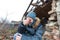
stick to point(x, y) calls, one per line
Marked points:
point(29, 33)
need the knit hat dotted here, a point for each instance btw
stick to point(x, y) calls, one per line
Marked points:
point(32, 15)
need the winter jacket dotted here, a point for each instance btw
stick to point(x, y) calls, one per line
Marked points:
point(29, 33)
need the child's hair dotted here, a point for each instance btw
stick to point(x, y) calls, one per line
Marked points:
point(37, 22)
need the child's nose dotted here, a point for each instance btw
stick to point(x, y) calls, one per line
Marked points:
point(30, 20)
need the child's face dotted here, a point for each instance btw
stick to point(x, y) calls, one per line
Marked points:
point(28, 20)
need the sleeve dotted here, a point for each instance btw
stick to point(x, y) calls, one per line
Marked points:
point(31, 30)
point(21, 28)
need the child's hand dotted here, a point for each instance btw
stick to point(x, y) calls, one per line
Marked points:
point(19, 37)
